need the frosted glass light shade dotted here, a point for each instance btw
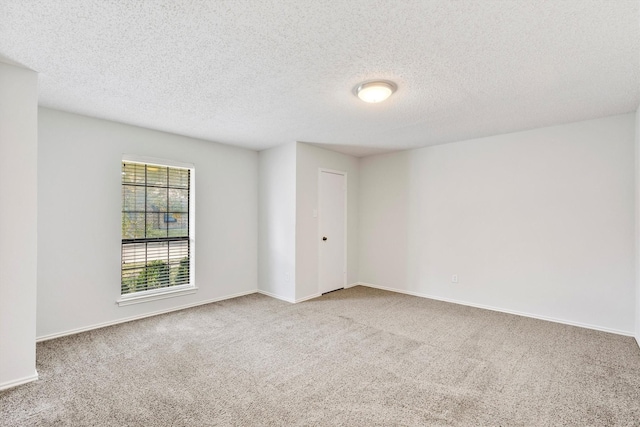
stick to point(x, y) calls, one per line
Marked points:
point(375, 91)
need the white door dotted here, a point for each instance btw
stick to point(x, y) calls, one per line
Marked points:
point(332, 227)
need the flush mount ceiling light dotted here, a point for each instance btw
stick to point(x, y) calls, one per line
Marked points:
point(376, 91)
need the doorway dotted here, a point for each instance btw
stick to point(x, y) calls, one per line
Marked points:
point(332, 228)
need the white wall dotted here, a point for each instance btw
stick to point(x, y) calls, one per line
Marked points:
point(79, 219)
point(18, 224)
point(637, 158)
point(539, 222)
point(309, 160)
point(277, 222)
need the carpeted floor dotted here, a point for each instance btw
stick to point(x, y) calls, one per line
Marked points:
point(357, 357)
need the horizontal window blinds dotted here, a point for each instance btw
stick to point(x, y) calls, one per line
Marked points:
point(155, 227)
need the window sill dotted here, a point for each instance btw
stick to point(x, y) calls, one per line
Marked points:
point(138, 297)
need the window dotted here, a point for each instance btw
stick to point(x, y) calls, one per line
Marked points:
point(157, 217)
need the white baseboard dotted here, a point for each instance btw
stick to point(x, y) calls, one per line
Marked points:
point(309, 297)
point(350, 285)
point(272, 295)
point(169, 310)
point(140, 316)
point(14, 383)
point(286, 299)
point(502, 310)
point(295, 301)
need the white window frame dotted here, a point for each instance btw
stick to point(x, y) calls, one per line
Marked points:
point(172, 291)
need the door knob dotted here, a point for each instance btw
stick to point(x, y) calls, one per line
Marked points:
point(324, 238)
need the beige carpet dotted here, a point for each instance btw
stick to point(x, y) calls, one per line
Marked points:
point(358, 357)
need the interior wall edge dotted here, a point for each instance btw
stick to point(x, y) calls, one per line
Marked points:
point(637, 222)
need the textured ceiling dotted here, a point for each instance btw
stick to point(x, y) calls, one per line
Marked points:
point(265, 72)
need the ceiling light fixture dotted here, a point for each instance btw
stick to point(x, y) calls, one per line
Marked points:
point(376, 91)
